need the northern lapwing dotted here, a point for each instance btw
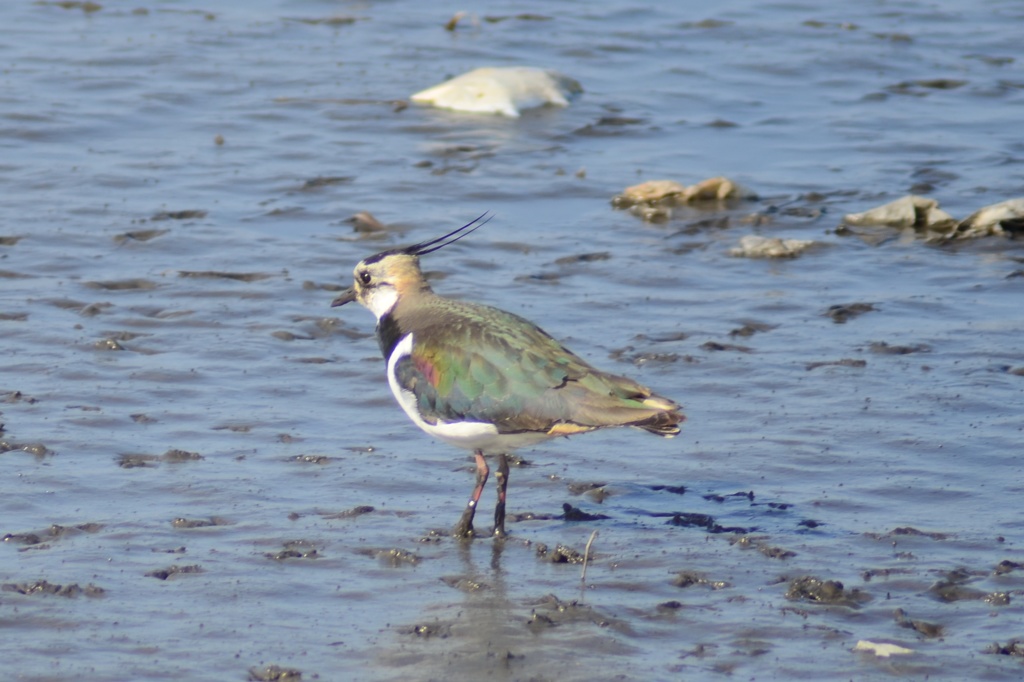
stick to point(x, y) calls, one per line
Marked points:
point(485, 379)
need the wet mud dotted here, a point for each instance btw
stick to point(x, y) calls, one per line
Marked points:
point(204, 473)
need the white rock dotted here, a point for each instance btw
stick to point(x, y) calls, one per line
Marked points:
point(996, 219)
point(501, 90)
point(753, 246)
point(881, 649)
point(908, 211)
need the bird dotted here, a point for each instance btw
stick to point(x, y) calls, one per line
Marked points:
point(486, 380)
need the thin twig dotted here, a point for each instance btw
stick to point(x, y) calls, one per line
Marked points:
point(586, 556)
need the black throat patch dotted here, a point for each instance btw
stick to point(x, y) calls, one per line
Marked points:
point(389, 333)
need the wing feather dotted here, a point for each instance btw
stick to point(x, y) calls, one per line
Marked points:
point(476, 363)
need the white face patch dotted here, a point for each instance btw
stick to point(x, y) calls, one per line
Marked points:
point(381, 299)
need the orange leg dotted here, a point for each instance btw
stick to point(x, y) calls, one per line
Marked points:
point(464, 528)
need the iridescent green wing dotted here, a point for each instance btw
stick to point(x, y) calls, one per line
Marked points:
point(484, 364)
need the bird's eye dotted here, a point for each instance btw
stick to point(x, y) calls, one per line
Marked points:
point(364, 277)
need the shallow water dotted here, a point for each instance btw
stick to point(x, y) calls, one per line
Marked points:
point(901, 478)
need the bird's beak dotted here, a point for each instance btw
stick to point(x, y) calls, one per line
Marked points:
point(346, 296)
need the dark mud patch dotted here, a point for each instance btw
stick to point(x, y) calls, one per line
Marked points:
point(174, 570)
point(43, 587)
point(221, 274)
point(436, 630)
point(325, 181)
point(394, 557)
point(550, 611)
point(560, 554)
point(172, 456)
point(37, 450)
point(698, 520)
point(924, 628)
point(856, 363)
point(580, 487)
point(310, 459)
point(352, 513)
point(743, 494)
point(583, 258)
point(715, 346)
point(842, 313)
point(519, 517)
point(750, 328)
point(139, 236)
point(1006, 566)
point(188, 214)
point(295, 549)
point(1014, 647)
point(571, 513)
point(673, 489)
point(640, 358)
point(762, 546)
point(465, 584)
point(883, 348)
point(829, 592)
point(955, 586)
point(691, 578)
point(908, 531)
point(274, 673)
point(40, 539)
point(122, 285)
point(211, 522)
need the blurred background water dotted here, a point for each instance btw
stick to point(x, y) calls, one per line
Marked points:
point(178, 180)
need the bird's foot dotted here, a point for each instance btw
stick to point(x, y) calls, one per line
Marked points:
point(464, 528)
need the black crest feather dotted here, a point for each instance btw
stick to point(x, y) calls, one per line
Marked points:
point(450, 238)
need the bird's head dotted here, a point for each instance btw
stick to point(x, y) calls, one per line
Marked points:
point(381, 279)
